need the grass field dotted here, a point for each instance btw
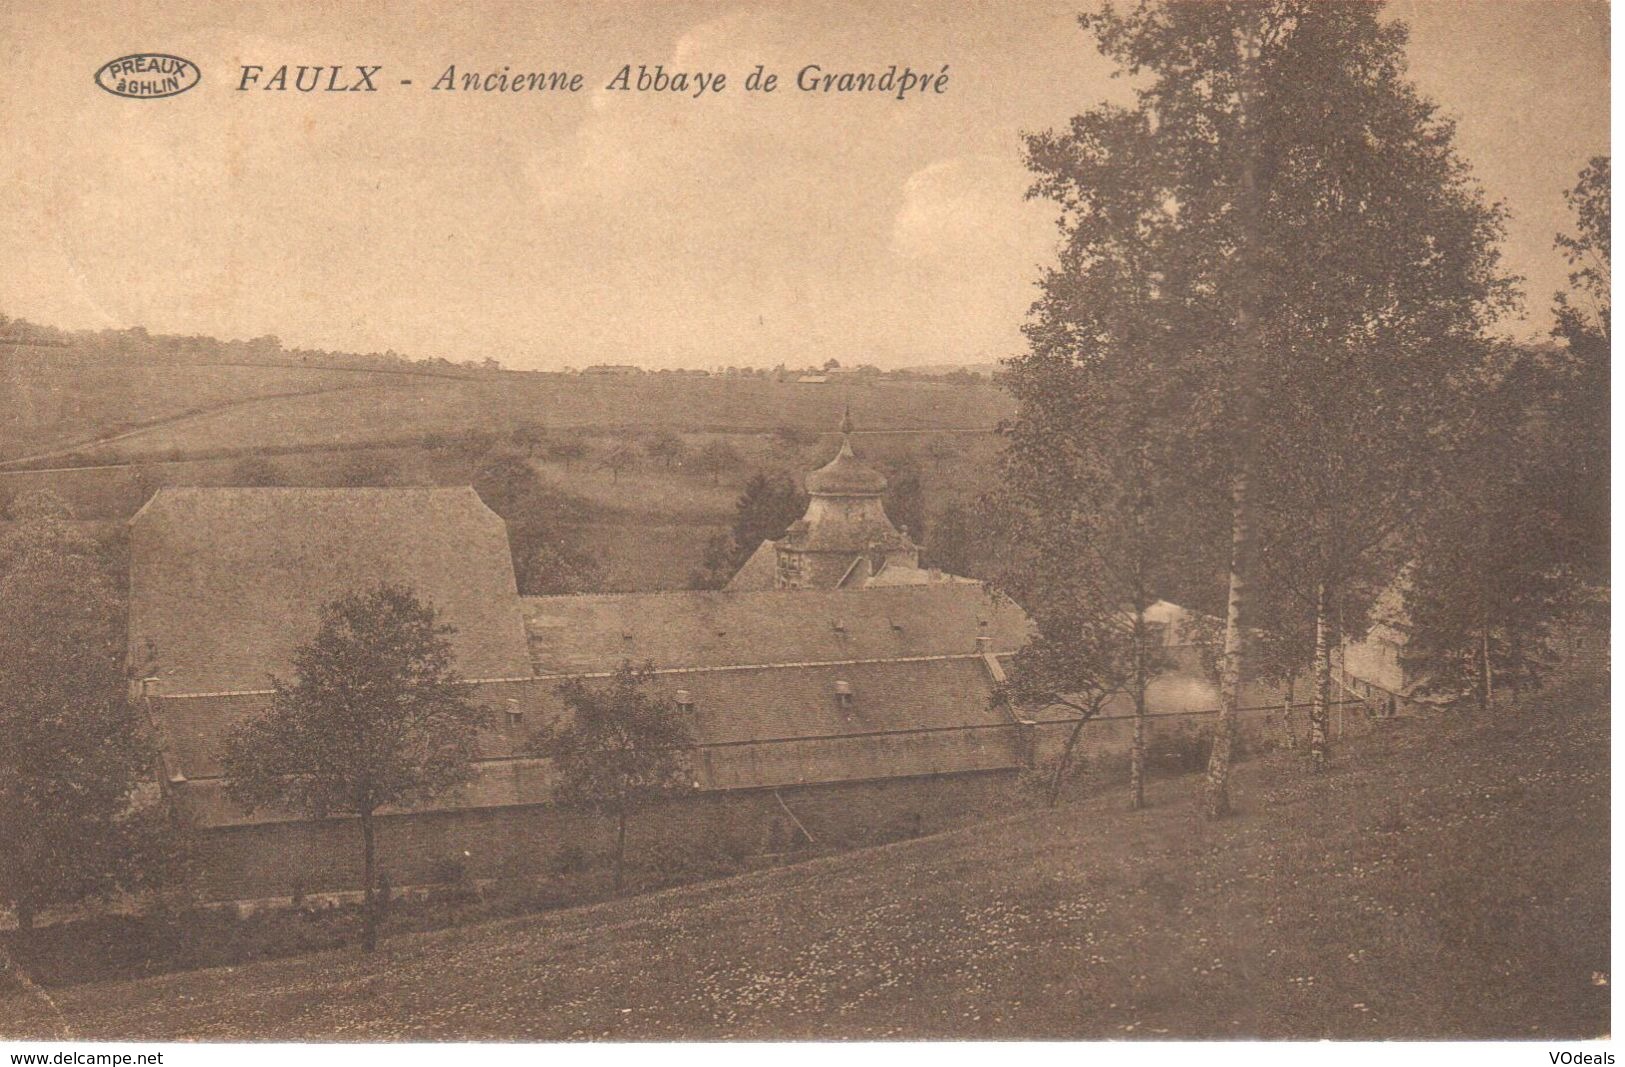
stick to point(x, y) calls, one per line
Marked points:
point(164, 415)
point(1448, 878)
point(50, 408)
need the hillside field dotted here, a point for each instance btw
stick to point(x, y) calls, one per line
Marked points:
point(1448, 878)
point(164, 412)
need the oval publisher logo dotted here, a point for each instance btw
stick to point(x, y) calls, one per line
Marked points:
point(148, 76)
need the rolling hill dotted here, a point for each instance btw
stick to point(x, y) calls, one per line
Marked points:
point(1447, 878)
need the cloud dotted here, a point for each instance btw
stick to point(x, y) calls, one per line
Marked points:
point(968, 208)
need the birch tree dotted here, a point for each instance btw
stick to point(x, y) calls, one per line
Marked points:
point(1296, 207)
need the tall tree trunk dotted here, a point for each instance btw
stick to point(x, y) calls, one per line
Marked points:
point(369, 895)
point(1224, 730)
point(1136, 761)
point(1320, 706)
point(620, 850)
point(1142, 505)
point(1248, 204)
point(1064, 761)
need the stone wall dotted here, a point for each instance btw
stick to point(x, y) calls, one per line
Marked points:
point(272, 860)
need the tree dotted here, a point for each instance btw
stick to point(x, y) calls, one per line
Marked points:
point(905, 502)
point(1277, 203)
point(73, 748)
point(1087, 533)
point(766, 507)
point(1493, 565)
point(1580, 405)
point(529, 436)
point(622, 751)
point(667, 448)
point(717, 456)
point(1091, 661)
point(786, 444)
point(567, 450)
point(549, 556)
point(256, 471)
point(623, 455)
point(960, 541)
point(375, 716)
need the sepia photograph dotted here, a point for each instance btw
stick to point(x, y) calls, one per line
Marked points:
point(676, 521)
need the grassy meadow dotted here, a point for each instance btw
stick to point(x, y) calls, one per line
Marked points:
point(1448, 878)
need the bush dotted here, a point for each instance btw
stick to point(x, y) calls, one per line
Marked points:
point(1184, 750)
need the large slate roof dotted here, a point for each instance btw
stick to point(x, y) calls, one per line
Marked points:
point(734, 628)
point(225, 583)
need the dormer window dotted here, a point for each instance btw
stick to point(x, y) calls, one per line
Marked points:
point(685, 700)
point(843, 695)
point(515, 717)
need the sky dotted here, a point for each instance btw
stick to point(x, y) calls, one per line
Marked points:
point(552, 229)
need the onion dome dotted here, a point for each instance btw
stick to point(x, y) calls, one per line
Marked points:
point(846, 474)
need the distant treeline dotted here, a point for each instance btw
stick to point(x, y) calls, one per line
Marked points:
point(136, 347)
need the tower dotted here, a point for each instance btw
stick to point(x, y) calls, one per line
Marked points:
point(845, 537)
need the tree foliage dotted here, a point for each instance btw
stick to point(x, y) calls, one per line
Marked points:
point(375, 716)
point(716, 457)
point(1286, 263)
point(549, 556)
point(766, 507)
point(621, 750)
point(73, 748)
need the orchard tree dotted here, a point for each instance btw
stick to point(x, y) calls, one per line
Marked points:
point(529, 436)
point(717, 456)
point(622, 750)
point(72, 748)
point(374, 717)
point(622, 456)
point(1276, 204)
point(667, 448)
